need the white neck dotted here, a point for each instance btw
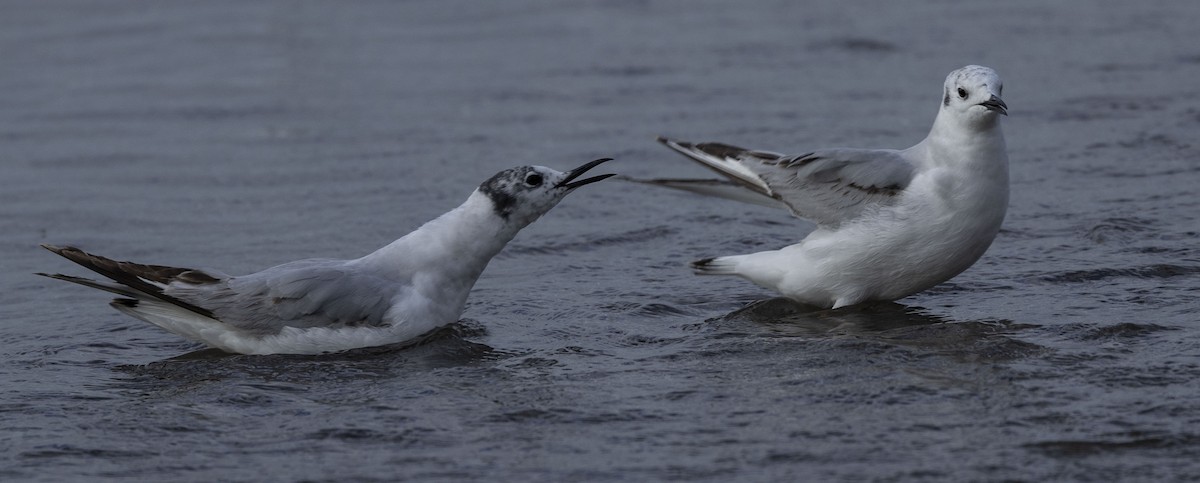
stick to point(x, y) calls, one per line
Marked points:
point(961, 142)
point(457, 245)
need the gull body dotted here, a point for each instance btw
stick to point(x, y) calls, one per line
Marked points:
point(408, 288)
point(890, 223)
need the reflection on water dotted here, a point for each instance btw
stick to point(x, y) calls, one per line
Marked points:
point(785, 317)
point(889, 323)
point(445, 347)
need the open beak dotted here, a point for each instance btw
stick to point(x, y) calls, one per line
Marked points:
point(995, 104)
point(575, 173)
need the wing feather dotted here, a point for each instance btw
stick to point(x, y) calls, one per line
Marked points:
point(301, 294)
point(305, 293)
point(144, 280)
point(829, 187)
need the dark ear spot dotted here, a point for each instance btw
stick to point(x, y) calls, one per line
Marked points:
point(504, 205)
point(497, 189)
point(946, 98)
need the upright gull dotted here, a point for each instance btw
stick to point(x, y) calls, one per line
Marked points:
point(400, 292)
point(890, 223)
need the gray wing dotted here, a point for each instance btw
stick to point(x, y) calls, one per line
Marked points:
point(719, 188)
point(305, 293)
point(829, 187)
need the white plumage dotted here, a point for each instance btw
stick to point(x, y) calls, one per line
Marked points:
point(890, 223)
point(408, 288)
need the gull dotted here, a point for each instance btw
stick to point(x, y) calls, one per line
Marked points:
point(398, 293)
point(890, 223)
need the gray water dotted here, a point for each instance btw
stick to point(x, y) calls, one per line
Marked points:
point(239, 135)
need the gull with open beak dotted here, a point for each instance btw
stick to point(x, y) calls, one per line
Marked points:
point(408, 288)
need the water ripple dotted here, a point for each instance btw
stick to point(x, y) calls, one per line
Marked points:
point(1155, 271)
point(634, 236)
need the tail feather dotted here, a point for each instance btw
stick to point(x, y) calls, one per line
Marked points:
point(715, 266)
point(133, 280)
point(87, 282)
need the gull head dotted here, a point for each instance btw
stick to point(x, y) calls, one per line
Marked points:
point(520, 195)
point(973, 94)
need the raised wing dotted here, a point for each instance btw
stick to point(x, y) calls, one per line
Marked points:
point(829, 187)
point(720, 188)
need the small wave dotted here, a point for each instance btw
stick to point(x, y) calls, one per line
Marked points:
point(660, 310)
point(1116, 443)
point(1120, 230)
point(191, 113)
point(856, 45)
point(1123, 330)
point(60, 450)
point(407, 436)
point(1092, 108)
point(627, 71)
point(348, 434)
point(645, 309)
point(634, 236)
point(529, 415)
point(639, 340)
point(563, 415)
point(534, 363)
point(1156, 271)
point(579, 351)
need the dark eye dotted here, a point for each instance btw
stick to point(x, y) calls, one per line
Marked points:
point(962, 93)
point(533, 179)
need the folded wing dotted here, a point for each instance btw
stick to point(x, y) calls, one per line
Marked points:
point(301, 294)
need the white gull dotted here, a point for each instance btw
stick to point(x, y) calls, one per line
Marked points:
point(410, 287)
point(890, 223)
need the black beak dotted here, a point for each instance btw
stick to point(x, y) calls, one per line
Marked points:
point(575, 173)
point(995, 104)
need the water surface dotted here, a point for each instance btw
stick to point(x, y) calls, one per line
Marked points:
point(240, 135)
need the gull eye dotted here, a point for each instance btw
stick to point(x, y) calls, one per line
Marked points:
point(533, 179)
point(962, 93)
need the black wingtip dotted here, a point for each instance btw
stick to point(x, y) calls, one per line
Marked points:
point(702, 263)
point(127, 303)
point(65, 251)
point(59, 276)
point(673, 143)
point(138, 278)
point(54, 248)
point(681, 147)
